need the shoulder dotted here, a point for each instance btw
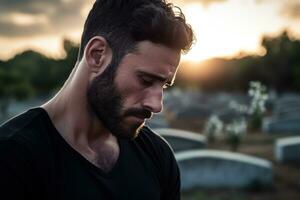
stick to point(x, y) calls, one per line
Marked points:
point(150, 139)
point(25, 135)
point(156, 147)
point(19, 123)
point(16, 135)
point(25, 148)
point(24, 127)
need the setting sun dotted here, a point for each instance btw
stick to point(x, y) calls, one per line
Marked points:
point(233, 27)
point(216, 34)
point(201, 48)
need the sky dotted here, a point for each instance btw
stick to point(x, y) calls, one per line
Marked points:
point(223, 28)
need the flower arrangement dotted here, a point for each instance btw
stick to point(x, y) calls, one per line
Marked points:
point(259, 96)
point(234, 133)
point(213, 128)
point(235, 130)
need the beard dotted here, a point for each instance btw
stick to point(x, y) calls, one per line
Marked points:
point(106, 103)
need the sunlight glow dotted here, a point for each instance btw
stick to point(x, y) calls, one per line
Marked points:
point(231, 28)
point(216, 35)
point(50, 46)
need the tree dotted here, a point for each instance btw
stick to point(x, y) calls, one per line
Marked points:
point(12, 86)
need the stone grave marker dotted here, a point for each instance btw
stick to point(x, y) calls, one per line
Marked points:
point(282, 125)
point(213, 169)
point(181, 140)
point(288, 149)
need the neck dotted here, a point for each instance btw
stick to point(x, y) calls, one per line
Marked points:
point(73, 118)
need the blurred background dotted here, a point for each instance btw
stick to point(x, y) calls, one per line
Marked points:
point(233, 115)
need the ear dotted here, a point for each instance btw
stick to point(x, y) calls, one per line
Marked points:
point(97, 54)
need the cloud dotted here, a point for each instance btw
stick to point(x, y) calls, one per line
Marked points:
point(291, 10)
point(59, 16)
point(203, 2)
point(10, 30)
point(51, 16)
point(28, 6)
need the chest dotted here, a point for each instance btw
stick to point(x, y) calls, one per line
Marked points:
point(133, 176)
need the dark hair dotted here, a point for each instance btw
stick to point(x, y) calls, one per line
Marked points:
point(124, 23)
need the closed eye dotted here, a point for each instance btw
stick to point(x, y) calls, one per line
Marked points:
point(147, 81)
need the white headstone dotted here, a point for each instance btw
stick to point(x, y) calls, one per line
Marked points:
point(288, 149)
point(219, 169)
point(282, 125)
point(181, 140)
point(286, 115)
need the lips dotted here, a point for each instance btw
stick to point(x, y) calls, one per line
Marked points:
point(139, 113)
point(142, 115)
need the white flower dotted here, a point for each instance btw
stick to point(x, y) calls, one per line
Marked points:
point(237, 128)
point(258, 95)
point(238, 107)
point(214, 126)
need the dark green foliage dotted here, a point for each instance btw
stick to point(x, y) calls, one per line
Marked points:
point(13, 85)
point(233, 141)
point(255, 121)
point(31, 73)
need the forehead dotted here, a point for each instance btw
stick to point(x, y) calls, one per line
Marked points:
point(157, 53)
point(154, 58)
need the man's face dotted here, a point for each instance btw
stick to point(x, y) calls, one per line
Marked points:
point(124, 100)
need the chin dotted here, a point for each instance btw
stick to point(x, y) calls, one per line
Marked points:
point(131, 132)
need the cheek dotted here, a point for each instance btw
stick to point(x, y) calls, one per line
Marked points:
point(132, 93)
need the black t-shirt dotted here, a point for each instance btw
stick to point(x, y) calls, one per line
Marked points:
point(37, 163)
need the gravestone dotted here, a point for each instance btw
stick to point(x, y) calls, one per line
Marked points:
point(289, 100)
point(288, 149)
point(181, 140)
point(286, 115)
point(289, 113)
point(282, 125)
point(213, 169)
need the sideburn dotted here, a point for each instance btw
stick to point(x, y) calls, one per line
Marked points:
point(104, 100)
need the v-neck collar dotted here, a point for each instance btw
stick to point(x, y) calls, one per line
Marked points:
point(78, 155)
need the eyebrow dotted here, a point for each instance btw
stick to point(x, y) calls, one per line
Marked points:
point(157, 77)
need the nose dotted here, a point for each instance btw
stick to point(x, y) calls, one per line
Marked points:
point(153, 101)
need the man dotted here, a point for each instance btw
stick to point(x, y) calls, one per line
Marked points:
point(89, 141)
